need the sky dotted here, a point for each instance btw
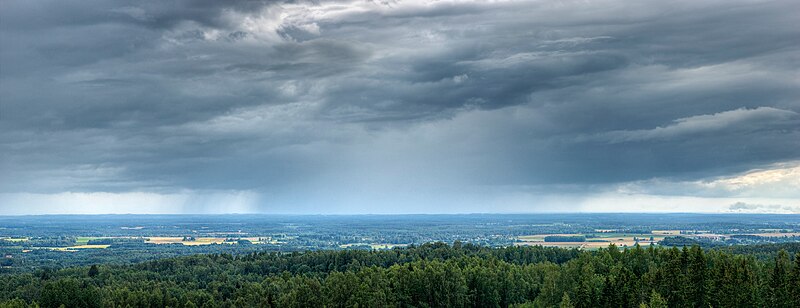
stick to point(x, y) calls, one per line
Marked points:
point(382, 107)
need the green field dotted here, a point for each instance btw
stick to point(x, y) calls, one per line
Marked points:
point(84, 240)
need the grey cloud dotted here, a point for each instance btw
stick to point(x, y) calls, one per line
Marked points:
point(739, 120)
point(403, 97)
point(741, 207)
point(26, 15)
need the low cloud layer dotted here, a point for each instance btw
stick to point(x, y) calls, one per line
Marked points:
point(739, 120)
point(392, 107)
point(741, 207)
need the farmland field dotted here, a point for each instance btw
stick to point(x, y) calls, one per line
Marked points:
point(376, 246)
point(778, 234)
point(24, 239)
point(205, 240)
point(593, 241)
point(76, 247)
point(180, 240)
point(35, 242)
point(84, 240)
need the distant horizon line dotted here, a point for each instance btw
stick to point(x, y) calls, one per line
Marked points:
point(394, 214)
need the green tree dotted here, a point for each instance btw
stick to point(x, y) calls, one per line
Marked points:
point(794, 280)
point(69, 293)
point(779, 281)
point(14, 303)
point(566, 302)
point(656, 301)
point(698, 278)
point(339, 288)
point(93, 270)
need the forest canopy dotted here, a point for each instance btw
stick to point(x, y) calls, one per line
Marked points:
point(429, 275)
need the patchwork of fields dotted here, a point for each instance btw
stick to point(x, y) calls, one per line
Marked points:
point(84, 242)
point(76, 247)
point(592, 241)
point(373, 245)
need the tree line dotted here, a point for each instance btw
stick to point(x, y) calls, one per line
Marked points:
point(429, 275)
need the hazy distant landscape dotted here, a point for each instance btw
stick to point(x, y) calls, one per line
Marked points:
point(483, 260)
point(399, 153)
point(35, 242)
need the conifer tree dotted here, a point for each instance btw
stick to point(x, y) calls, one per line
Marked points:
point(566, 302)
point(93, 270)
point(779, 281)
point(656, 301)
point(794, 280)
point(697, 278)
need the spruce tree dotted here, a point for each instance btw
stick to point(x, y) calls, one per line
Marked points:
point(779, 281)
point(794, 280)
point(697, 278)
point(656, 301)
point(566, 302)
point(93, 270)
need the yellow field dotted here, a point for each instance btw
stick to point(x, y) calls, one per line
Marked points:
point(203, 240)
point(666, 232)
point(207, 240)
point(266, 240)
point(586, 245)
point(179, 240)
point(540, 237)
point(386, 246)
point(600, 241)
point(374, 245)
point(74, 248)
point(777, 234)
point(553, 244)
point(706, 235)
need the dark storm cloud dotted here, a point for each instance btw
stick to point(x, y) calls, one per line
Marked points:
point(152, 14)
point(355, 100)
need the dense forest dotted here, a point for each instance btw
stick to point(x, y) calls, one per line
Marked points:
point(430, 275)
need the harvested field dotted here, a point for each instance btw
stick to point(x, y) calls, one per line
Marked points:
point(593, 241)
point(77, 247)
point(777, 234)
